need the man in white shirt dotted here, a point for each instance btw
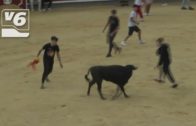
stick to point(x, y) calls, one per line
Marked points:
point(133, 26)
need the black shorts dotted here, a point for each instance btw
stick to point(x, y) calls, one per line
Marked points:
point(134, 29)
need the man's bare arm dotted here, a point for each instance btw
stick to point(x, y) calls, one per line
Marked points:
point(106, 25)
point(59, 59)
point(39, 52)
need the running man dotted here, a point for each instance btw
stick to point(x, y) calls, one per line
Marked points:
point(186, 5)
point(163, 52)
point(133, 27)
point(113, 23)
point(50, 49)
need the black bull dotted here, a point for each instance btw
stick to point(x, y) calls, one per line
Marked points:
point(117, 74)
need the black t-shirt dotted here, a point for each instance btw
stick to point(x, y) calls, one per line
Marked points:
point(164, 54)
point(114, 23)
point(50, 51)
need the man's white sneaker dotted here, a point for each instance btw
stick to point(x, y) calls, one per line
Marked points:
point(141, 42)
point(123, 43)
point(146, 14)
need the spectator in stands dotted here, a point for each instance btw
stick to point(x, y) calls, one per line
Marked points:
point(21, 3)
point(164, 3)
point(186, 5)
point(48, 6)
point(32, 4)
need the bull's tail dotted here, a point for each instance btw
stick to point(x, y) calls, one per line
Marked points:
point(86, 76)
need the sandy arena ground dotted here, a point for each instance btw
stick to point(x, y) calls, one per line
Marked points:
point(64, 101)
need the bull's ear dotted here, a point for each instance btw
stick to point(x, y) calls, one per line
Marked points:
point(135, 68)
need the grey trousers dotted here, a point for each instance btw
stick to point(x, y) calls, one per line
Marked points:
point(185, 3)
point(32, 4)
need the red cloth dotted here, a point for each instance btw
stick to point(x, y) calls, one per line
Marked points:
point(139, 11)
point(33, 64)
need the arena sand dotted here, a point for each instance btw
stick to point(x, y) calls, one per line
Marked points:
point(82, 43)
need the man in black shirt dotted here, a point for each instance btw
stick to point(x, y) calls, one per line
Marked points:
point(163, 52)
point(113, 23)
point(50, 49)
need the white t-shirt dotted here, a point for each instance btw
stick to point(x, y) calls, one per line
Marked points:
point(133, 15)
point(138, 2)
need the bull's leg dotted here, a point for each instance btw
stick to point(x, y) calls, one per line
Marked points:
point(89, 87)
point(99, 86)
point(123, 90)
point(118, 93)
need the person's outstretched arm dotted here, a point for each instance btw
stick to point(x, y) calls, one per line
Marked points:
point(108, 22)
point(39, 52)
